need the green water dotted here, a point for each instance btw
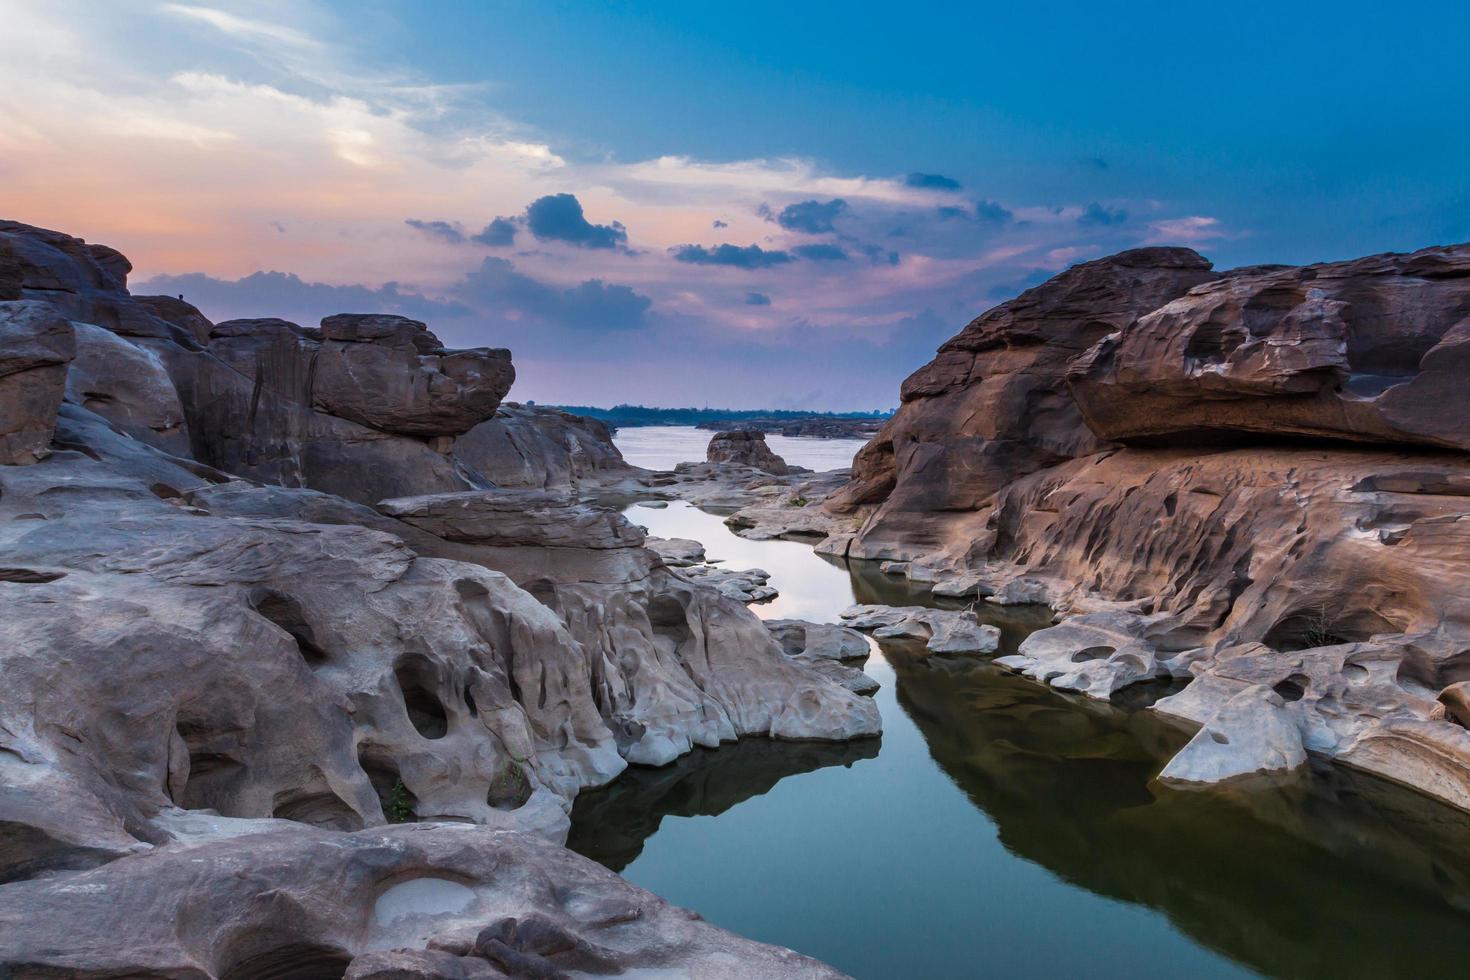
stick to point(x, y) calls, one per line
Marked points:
point(1001, 829)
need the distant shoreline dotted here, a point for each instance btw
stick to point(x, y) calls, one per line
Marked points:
point(829, 425)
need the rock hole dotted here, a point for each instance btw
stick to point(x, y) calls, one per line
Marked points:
point(213, 768)
point(510, 788)
point(417, 680)
point(399, 803)
point(319, 807)
point(290, 960)
point(29, 576)
point(165, 492)
point(669, 621)
point(1219, 738)
point(469, 700)
point(543, 591)
point(286, 613)
point(1171, 504)
point(468, 588)
point(1293, 688)
point(1093, 653)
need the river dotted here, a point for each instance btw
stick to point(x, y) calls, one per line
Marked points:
point(1001, 829)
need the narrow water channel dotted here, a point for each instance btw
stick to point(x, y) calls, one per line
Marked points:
point(1001, 829)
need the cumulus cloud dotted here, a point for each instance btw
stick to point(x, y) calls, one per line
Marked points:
point(937, 182)
point(500, 232)
point(811, 217)
point(1097, 216)
point(559, 218)
point(821, 253)
point(442, 230)
point(287, 295)
point(717, 223)
point(746, 257)
point(757, 299)
point(592, 305)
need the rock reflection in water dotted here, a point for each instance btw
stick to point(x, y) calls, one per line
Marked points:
point(1009, 830)
point(610, 825)
point(1332, 875)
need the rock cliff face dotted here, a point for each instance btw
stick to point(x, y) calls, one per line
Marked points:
point(1239, 479)
point(259, 578)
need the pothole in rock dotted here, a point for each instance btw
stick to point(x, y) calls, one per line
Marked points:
point(1093, 653)
point(417, 681)
point(510, 788)
point(286, 959)
point(286, 613)
point(421, 897)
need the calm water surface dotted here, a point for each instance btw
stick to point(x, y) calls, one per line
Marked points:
point(662, 447)
point(1000, 829)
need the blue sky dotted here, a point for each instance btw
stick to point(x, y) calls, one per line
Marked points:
point(754, 204)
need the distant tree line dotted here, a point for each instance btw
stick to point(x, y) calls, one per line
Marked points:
point(626, 416)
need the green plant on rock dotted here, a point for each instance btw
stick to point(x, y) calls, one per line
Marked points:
point(797, 501)
point(398, 808)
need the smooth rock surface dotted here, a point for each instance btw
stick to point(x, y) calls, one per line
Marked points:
point(430, 900)
point(944, 631)
point(1250, 734)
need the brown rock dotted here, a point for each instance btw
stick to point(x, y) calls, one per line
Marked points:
point(747, 447)
point(993, 405)
point(1372, 350)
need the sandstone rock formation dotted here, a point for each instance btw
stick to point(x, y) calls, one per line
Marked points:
point(746, 447)
point(1126, 443)
point(429, 900)
point(249, 586)
point(531, 446)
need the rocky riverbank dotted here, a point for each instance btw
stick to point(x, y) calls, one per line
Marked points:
point(269, 588)
point(1253, 481)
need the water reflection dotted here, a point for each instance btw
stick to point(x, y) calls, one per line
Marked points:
point(662, 447)
point(1326, 876)
point(1006, 829)
point(610, 825)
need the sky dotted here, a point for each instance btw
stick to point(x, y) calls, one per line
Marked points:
point(738, 205)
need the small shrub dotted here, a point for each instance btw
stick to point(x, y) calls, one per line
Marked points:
point(797, 501)
point(398, 808)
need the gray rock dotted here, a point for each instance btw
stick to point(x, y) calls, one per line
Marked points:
point(430, 900)
point(943, 631)
point(1250, 733)
point(128, 385)
point(822, 641)
point(36, 344)
point(677, 552)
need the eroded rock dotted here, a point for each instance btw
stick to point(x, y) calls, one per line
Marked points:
point(944, 631)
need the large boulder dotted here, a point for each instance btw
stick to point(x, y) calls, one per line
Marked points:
point(36, 344)
point(390, 373)
point(1372, 350)
point(745, 447)
point(532, 446)
point(128, 385)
